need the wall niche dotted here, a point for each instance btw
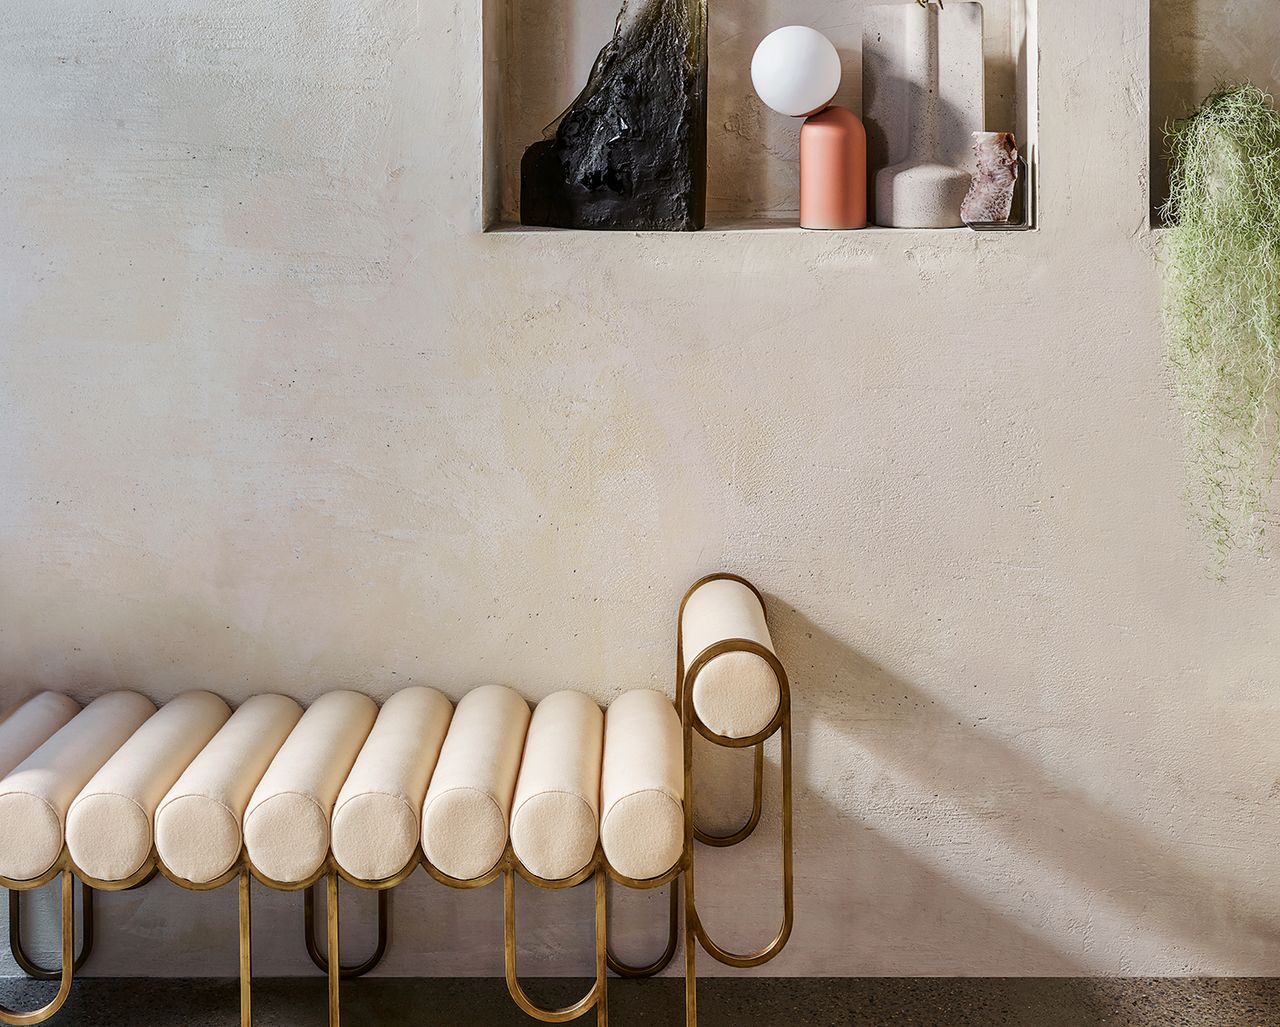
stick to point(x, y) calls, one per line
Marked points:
point(539, 54)
point(1196, 45)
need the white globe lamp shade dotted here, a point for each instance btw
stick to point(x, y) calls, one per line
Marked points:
point(796, 70)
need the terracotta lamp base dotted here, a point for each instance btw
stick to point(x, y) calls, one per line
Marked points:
point(833, 171)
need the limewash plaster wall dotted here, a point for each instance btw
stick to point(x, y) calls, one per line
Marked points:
point(275, 414)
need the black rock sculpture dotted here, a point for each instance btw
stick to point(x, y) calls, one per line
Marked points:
point(630, 153)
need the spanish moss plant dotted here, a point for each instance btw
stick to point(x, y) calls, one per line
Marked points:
point(1222, 307)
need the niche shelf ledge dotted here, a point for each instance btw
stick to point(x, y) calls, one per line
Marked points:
point(769, 227)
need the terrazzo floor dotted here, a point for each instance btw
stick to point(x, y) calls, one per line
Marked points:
point(1170, 1002)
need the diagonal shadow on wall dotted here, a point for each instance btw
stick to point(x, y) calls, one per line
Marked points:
point(889, 729)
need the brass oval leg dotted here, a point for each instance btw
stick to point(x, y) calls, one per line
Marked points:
point(595, 997)
point(602, 947)
point(690, 833)
point(788, 877)
point(313, 947)
point(246, 951)
point(690, 954)
point(663, 961)
point(28, 965)
point(335, 965)
point(724, 841)
point(8, 1016)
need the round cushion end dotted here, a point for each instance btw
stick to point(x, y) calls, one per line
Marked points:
point(287, 837)
point(464, 833)
point(643, 834)
point(108, 836)
point(737, 694)
point(374, 835)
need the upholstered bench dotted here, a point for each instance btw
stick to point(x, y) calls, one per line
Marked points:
point(559, 794)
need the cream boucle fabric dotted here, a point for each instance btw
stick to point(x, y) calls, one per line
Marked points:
point(642, 785)
point(35, 797)
point(32, 724)
point(555, 822)
point(199, 833)
point(736, 694)
point(464, 821)
point(286, 827)
point(109, 824)
point(377, 821)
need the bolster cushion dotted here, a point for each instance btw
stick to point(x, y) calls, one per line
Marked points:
point(199, 825)
point(286, 827)
point(556, 820)
point(109, 825)
point(35, 797)
point(735, 694)
point(377, 820)
point(32, 724)
point(642, 786)
point(464, 819)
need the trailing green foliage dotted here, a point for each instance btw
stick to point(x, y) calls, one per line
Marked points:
point(1222, 307)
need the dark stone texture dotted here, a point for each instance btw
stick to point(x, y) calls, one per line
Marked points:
point(630, 153)
point(722, 1002)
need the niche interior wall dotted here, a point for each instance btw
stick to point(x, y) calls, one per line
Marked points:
point(1195, 46)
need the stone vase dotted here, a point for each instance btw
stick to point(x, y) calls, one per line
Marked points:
point(922, 82)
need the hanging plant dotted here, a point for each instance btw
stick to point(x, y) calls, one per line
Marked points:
point(1222, 307)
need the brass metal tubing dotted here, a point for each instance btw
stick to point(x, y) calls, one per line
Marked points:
point(597, 996)
point(246, 949)
point(782, 722)
point(28, 965)
point(690, 957)
point(137, 879)
point(313, 947)
point(493, 873)
point(335, 965)
point(387, 883)
point(690, 905)
point(602, 947)
point(9, 1016)
point(788, 879)
point(326, 868)
point(694, 932)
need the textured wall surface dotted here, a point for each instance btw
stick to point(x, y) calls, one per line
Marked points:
point(274, 414)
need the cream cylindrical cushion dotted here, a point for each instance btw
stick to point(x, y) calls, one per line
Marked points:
point(464, 819)
point(109, 824)
point(736, 694)
point(198, 824)
point(376, 823)
point(556, 819)
point(286, 828)
point(642, 785)
point(35, 797)
point(32, 724)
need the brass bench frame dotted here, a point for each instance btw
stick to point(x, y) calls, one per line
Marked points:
point(684, 919)
point(28, 965)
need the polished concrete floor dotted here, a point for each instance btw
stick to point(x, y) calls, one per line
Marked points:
point(722, 1003)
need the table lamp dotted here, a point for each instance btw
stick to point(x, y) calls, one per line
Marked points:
point(796, 71)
